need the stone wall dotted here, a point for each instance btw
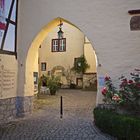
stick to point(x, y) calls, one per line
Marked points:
point(12, 108)
point(90, 81)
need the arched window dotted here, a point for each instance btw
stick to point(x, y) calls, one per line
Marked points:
point(8, 26)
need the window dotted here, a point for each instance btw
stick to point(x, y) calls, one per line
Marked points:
point(8, 26)
point(35, 74)
point(43, 66)
point(59, 45)
point(55, 45)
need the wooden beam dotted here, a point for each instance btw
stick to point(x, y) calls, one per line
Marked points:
point(133, 12)
point(16, 27)
point(7, 52)
point(11, 21)
point(7, 25)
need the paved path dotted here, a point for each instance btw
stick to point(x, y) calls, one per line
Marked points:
point(45, 124)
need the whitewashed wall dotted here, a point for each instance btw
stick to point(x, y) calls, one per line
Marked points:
point(104, 22)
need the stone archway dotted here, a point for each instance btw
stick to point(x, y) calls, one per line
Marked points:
point(116, 47)
point(32, 56)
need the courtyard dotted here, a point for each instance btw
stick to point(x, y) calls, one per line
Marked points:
point(45, 123)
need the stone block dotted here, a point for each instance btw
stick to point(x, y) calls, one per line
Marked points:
point(15, 107)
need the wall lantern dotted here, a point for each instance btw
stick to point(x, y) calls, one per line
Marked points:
point(60, 32)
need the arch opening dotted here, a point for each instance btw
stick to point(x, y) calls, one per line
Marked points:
point(33, 61)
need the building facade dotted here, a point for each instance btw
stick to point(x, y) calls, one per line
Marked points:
point(107, 24)
point(55, 60)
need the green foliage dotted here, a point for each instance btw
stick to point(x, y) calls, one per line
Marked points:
point(130, 89)
point(81, 65)
point(53, 83)
point(120, 126)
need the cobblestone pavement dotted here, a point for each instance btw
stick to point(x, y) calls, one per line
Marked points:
point(46, 124)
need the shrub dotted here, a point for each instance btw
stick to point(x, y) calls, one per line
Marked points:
point(53, 83)
point(130, 90)
point(111, 95)
point(128, 94)
point(120, 126)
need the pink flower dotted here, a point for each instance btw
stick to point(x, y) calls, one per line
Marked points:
point(104, 91)
point(116, 97)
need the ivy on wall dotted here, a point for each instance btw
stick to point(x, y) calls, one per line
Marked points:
point(80, 65)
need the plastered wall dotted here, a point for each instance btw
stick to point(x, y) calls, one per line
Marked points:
point(8, 76)
point(74, 48)
point(90, 56)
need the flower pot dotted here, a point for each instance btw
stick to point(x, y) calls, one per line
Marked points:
point(52, 92)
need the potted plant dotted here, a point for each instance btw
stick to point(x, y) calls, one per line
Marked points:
point(53, 84)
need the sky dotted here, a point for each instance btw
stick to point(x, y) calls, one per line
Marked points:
point(9, 42)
